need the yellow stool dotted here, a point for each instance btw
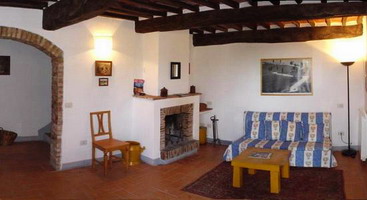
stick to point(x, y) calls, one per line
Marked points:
point(202, 135)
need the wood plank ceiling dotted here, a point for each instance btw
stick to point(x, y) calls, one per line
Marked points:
point(215, 21)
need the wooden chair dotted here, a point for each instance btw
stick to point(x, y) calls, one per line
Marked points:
point(107, 146)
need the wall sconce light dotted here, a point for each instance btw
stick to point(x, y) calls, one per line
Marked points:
point(103, 47)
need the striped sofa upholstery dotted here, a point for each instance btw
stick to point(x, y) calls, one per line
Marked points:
point(311, 149)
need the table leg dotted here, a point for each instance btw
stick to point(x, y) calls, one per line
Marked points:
point(274, 182)
point(285, 171)
point(251, 171)
point(237, 177)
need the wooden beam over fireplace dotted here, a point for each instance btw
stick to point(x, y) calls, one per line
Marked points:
point(68, 12)
point(279, 35)
point(255, 14)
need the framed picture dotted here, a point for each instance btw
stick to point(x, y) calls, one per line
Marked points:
point(286, 76)
point(103, 82)
point(103, 68)
point(4, 65)
point(175, 70)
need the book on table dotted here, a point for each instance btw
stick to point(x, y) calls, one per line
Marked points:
point(261, 155)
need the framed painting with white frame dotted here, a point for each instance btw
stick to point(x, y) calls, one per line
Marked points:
point(286, 76)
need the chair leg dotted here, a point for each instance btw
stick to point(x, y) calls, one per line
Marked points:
point(125, 157)
point(110, 160)
point(105, 160)
point(93, 157)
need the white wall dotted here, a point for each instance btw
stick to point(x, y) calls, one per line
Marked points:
point(25, 103)
point(80, 85)
point(229, 77)
point(174, 47)
point(159, 49)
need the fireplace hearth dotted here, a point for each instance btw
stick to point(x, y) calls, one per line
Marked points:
point(176, 131)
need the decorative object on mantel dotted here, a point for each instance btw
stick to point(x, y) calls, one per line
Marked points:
point(175, 70)
point(204, 107)
point(192, 89)
point(7, 137)
point(4, 65)
point(171, 96)
point(103, 82)
point(164, 92)
point(215, 130)
point(139, 87)
point(103, 68)
point(286, 76)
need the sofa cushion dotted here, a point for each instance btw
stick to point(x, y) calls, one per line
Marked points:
point(255, 130)
point(272, 130)
point(286, 145)
point(291, 131)
point(313, 132)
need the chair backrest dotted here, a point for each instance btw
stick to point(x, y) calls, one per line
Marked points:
point(102, 126)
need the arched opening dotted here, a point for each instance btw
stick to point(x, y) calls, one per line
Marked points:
point(57, 62)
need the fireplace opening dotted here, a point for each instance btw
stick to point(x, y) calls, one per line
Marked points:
point(175, 130)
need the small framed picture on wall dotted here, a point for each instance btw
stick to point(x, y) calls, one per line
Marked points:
point(103, 82)
point(4, 65)
point(103, 68)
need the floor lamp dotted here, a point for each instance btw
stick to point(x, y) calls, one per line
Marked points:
point(348, 152)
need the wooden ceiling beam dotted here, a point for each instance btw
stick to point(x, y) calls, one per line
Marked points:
point(198, 31)
point(134, 13)
point(266, 25)
point(67, 12)
point(311, 22)
point(344, 21)
point(126, 8)
point(203, 3)
point(119, 16)
point(251, 26)
point(252, 3)
point(297, 23)
point(24, 4)
point(280, 24)
point(279, 35)
point(177, 4)
point(221, 28)
point(231, 3)
point(150, 6)
point(359, 19)
point(328, 21)
point(299, 1)
point(275, 2)
point(252, 15)
point(237, 27)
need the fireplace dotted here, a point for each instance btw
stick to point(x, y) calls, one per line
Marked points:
point(176, 131)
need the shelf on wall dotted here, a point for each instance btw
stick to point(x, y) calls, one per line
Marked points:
point(207, 110)
point(153, 97)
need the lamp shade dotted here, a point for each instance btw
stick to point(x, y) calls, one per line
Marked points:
point(103, 46)
point(348, 50)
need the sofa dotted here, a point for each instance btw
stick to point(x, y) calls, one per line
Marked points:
point(306, 135)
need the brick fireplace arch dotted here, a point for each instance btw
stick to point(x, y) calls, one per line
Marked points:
point(57, 60)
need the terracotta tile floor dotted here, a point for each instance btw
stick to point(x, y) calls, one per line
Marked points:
point(26, 174)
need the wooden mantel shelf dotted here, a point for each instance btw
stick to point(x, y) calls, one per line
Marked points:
point(153, 98)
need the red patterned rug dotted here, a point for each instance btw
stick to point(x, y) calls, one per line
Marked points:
point(303, 184)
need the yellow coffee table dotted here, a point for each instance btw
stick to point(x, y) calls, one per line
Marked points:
point(278, 165)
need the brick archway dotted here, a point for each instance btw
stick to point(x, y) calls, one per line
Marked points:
point(57, 60)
